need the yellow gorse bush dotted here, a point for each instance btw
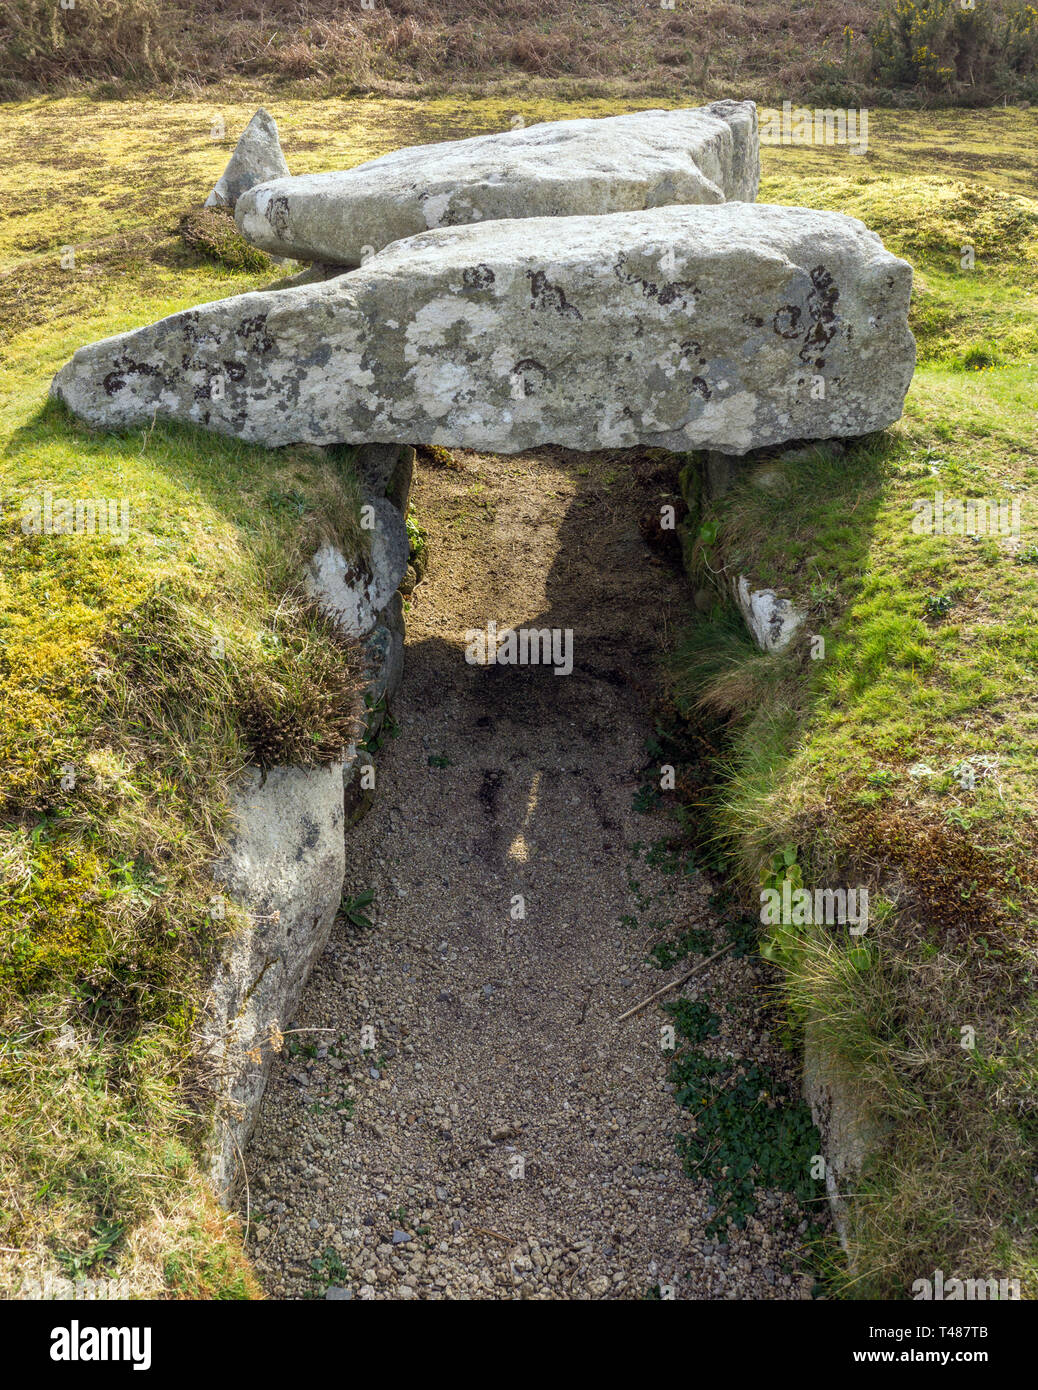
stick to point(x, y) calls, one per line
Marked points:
point(942, 44)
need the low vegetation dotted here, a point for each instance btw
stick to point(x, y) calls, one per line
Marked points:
point(212, 232)
point(891, 745)
point(880, 52)
point(121, 723)
point(947, 47)
point(153, 641)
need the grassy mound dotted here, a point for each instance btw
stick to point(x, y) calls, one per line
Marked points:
point(891, 745)
point(154, 640)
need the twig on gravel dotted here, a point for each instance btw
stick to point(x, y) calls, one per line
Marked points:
point(674, 983)
point(485, 1231)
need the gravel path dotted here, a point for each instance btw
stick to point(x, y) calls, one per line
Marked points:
point(505, 1137)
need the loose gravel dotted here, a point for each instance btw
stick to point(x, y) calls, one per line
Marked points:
point(460, 1115)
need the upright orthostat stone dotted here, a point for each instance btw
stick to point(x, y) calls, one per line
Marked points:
point(565, 168)
point(353, 590)
point(728, 327)
point(285, 865)
point(257, 157)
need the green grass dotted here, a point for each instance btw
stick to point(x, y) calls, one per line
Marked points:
point(139, 672)
point(855, 757)
point(109, 674)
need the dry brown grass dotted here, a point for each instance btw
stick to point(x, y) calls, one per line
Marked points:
point(764, 50)
point(830, 51)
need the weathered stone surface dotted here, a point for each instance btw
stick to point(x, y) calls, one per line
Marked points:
point(563, 168)
point(353, 591)
point(285, 865)
point(773, 621)
point(850, 1132)
point(720, 472)
point(257, 158)
point(398, 489)
point(375, 465)
point(384, 656)
point(732, 327)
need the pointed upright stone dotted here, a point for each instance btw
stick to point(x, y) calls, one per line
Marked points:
point(257, 158)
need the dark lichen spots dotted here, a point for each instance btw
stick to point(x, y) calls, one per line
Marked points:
point(821, 324)
point(320, 357)
point(682, 290)
point(528, 377)
point(225, 371)
point(357, 572)
point(690, 348)
point(752, 321)
point(126, 367)
point(477, 277)
point(188, 324)
point(254, 331)
point(277, 215)
point(545, 295)
point(701, 388)
point(665, 292)
point(821, 307)
point(786, 322)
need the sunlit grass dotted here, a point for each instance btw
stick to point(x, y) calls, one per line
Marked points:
point(139, 672)
point(99, 1136)
point(856, 759)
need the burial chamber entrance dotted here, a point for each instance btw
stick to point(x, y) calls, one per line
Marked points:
point(459, 1112)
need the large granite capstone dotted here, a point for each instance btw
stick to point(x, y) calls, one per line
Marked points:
point(560, 169)
point(728, 327)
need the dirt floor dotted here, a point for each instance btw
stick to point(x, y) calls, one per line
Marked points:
point(505, 1137)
